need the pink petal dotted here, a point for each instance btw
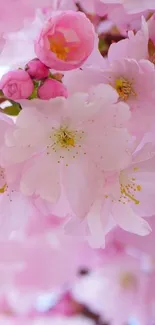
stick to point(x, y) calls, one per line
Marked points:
point(42, 178)
point(97, 229)
point(80, 184)
point(129, 221)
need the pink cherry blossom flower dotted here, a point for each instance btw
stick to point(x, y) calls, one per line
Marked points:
point(136, 46)
point(133, 47)
point(62, 44)
point(16, 84)
point(69, 135)
point(129, 197)
point(133, 6)
point(120, 17)
point(134, 82)
point(126, 195)
point(37, 70)
point(52, 88)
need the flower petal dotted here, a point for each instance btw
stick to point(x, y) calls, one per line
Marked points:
point(42, 178)
point(129, 221)
point(80, 184)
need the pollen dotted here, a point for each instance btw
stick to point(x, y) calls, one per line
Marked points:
point(4, 185)
point(3, 189)
point(128, 189)
point(66, 143)
point(65, 138)
point(128, 280)
point(135, 169)
point(124, 88)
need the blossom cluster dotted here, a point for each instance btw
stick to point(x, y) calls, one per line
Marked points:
point(77, 151)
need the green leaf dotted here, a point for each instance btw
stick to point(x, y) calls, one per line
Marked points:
point(13, 110)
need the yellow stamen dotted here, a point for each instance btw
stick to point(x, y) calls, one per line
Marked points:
point(135, 169)
point(65, 138)
point(58, 48)
point(139, 188)
point(3, 189)
point(131, 197)
point(124, 88)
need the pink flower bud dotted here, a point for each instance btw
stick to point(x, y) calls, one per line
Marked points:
point(16, 85)
point(66, 41)
point(37, 70)
point(51, 89)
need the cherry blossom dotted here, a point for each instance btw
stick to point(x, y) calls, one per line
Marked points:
point(59, 46)
point(69, 137)
point(77, 162)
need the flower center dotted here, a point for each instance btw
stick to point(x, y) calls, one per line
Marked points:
point(127, 280)
point(64, 138)
point(128, 188)
point(124, 88)
point(59, 46)
point(66, 143)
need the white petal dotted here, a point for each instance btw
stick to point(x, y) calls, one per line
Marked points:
point(79, 109)
point(105, 93)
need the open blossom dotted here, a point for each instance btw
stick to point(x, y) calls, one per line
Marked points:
point(78, 136)
point(129, 194)
point(65, 41)
point(134, 82)
point(52, 88)
point(133, 47)
point(16, 84)
point(125, 198)
point(137, 46)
